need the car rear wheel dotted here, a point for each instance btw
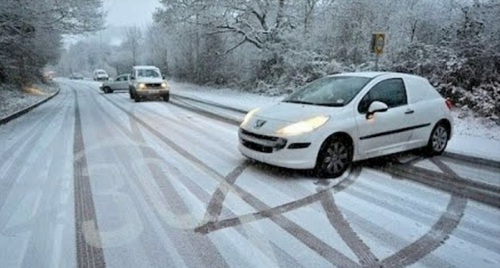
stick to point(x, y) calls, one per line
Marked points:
point(438, 140)
point(334, 158)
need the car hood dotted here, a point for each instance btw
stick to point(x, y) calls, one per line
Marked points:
point(283, 114)
point(150, 80)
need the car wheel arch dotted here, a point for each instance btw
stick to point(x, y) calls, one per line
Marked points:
point(447, 125)
point(343, 136)
point(429, 149)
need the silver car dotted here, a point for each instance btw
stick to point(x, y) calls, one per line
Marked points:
point(119, 83)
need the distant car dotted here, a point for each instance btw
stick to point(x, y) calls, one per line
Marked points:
point(76, 76)
point(119, 83)
point(146, 82)
point(100, 75)
point(342, 118)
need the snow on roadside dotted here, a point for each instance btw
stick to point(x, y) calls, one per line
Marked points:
point(13, 100)
point(472, 136)
point(477, 137)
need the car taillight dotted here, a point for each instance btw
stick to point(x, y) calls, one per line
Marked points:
point(449, 103)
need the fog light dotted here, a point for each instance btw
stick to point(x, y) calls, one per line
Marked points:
point(280, 144)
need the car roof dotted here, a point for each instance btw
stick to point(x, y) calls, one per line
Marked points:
point(376, 74)
point(145, 67)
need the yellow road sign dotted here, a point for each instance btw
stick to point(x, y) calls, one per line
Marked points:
point(378, 43)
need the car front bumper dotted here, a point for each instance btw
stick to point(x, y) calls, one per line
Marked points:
point(152, 92)
point(295, 152)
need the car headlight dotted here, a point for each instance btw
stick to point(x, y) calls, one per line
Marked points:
point(303, 126)
point(142, 86)
point(249, 116)
point(164, 85)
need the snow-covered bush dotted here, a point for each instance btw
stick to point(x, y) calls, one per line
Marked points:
point(294, 68)
point(466, 80)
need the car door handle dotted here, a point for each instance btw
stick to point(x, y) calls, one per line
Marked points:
point(409, 112)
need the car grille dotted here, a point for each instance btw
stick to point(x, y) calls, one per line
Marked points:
point(155, 85)
point(261, 143)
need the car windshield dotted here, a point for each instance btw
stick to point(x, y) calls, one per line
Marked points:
point(101, 72)
point(334, 91)
point(148, 73)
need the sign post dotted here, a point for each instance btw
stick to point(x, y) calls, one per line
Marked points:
point(377, 46)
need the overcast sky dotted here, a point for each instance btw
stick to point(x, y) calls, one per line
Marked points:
point(130, 12)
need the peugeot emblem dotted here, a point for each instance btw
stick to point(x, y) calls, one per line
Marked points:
point(259, 123)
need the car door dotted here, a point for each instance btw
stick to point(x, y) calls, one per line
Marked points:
point(121, 83)
point(384, 132)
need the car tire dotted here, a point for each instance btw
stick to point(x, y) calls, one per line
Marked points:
point(166, 97)
point(438, 140)
point(334, 157)
point(137, 98)
point(107, 90)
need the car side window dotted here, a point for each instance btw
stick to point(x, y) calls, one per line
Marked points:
point(120, 78)
point(391, 92)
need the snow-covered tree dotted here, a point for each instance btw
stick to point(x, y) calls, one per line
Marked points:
point(31, 30)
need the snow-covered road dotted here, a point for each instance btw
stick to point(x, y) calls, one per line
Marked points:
point(94, 180)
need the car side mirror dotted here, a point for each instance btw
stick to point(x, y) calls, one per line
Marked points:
point(376, 107)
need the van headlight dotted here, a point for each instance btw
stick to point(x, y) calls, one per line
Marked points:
point(249, 116)
point(303, 126)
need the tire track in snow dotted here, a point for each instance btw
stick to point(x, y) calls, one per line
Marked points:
point(349, 236)
point(206, 250)
point(438, 233)
point(307, 238)
point(89, 252)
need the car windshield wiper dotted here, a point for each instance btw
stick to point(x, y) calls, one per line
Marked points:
point(299, 102)
point(330, 104)
point(317, 104)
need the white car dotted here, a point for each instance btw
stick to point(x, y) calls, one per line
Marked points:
point(100, 75)
point(119, 83)
point(147, 81)
point(342, 118)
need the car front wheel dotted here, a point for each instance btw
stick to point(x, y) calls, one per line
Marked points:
point(334, 158)
point(166, 97)
point(438, 140)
